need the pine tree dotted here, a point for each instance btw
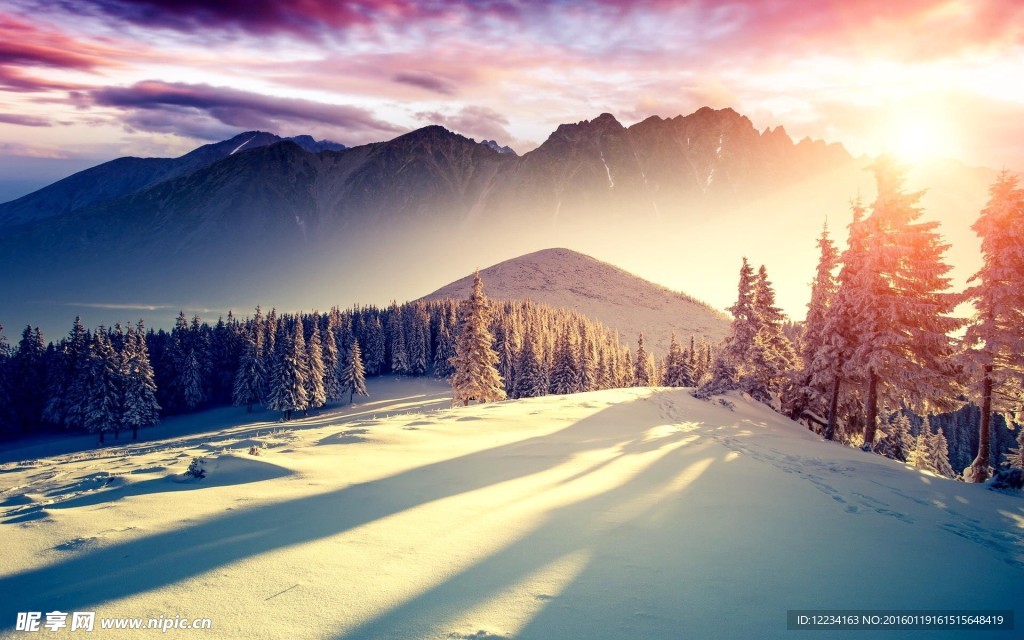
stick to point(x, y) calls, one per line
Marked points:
point(444, 352)
point(353, 376)
point(396, 341)
point(140, 408)
point(772, 356)
point(375, 347)
point(331, 359)
point(531, 381)
point(316, 393)
point(28, 378)
point(102, 398)
point(817, 377)
point(476, 376)
point(903, 324)
point(995, 336)
point(643, 367)
point(251, 379)
point(565, 375)
point(897, 441)
point(1014, 457)
point(288, 384)
point(922, 455)
point(940, 454)
point(740, 343)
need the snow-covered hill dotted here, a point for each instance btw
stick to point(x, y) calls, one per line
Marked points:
point(600, 291)
point(631, 513)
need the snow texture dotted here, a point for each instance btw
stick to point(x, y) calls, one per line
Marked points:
point(629, 513)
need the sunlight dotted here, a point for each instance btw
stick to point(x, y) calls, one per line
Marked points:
point(919, 137)
point(508, 611)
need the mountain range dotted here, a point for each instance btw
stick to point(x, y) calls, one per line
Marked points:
point(298, 223)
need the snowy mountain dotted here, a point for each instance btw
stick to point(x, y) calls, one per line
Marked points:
point(620, 514)
point(492, 144)
point(600, 291)
point(122, 176)
point(298, 224)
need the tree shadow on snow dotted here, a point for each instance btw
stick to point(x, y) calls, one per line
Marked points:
point(140, 565)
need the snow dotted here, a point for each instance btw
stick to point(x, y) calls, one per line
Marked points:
point(599, 291)
point(611, 183)
point(629, 513)
point(239, 147)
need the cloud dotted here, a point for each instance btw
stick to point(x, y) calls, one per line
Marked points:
point(25, 121)
point(426, 81)
point(481, 123)
point(162, 106)
point(129, 307)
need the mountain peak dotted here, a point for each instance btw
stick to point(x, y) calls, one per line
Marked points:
point(561, 277)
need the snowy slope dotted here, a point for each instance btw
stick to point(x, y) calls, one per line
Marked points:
point(632, 513)
point(600, 291)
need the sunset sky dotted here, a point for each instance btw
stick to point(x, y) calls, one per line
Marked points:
point(88, 80)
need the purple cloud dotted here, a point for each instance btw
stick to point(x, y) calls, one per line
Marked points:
point(426, 81)
point(155, 106)
point(25, 121)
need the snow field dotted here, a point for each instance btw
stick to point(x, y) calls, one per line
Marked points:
point(629, 513)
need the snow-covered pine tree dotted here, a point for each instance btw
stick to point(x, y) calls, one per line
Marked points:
point(897, 441)
point(587, 360)
point(476, 377)
point(418, 338)
point(740, 343)
point(28, 379)
point(675, 359)
point(922, 454)
point(995, 336)
point(102, 398)
point(251, 379)
point(353, 375)
point(374, 357)
point(940, 453)
point(288, 383)
point(564, 377)
point(140, 408)
point(772, 356)
point(817, 376)
point(903, 326)
point(316, 392)
point(643, 373)
point(444, 352)
point(331, 358)
point(531, 381)
point(396, 341)
point(1014, 458)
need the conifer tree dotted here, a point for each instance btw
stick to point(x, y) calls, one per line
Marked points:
point(444, 352)
point(375, 346)
point(896, 441)
point(740, 343)
point(316, 392)
point(922, 455)
point(251, 379)
point(28, 377)
point(643, 367)
point(903, 323)
point(102, 397)
point(476, 376)
point(331, 359)
point(995, 336)
point(353, 376)
point(396, 341)
point(940, 453)
point(1014, 457)
point(288, 384)
point(772, 355)
point(140, 408)
point(565, 375)
point(817, 377)
point(531, 381)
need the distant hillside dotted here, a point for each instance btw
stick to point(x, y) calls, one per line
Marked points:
point(600, 291)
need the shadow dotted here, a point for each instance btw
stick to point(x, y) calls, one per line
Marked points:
point(594, 525)
point(140, 565)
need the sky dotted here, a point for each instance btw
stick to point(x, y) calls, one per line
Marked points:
point(84, 81)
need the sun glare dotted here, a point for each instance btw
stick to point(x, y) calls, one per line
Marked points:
point(920, 138)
